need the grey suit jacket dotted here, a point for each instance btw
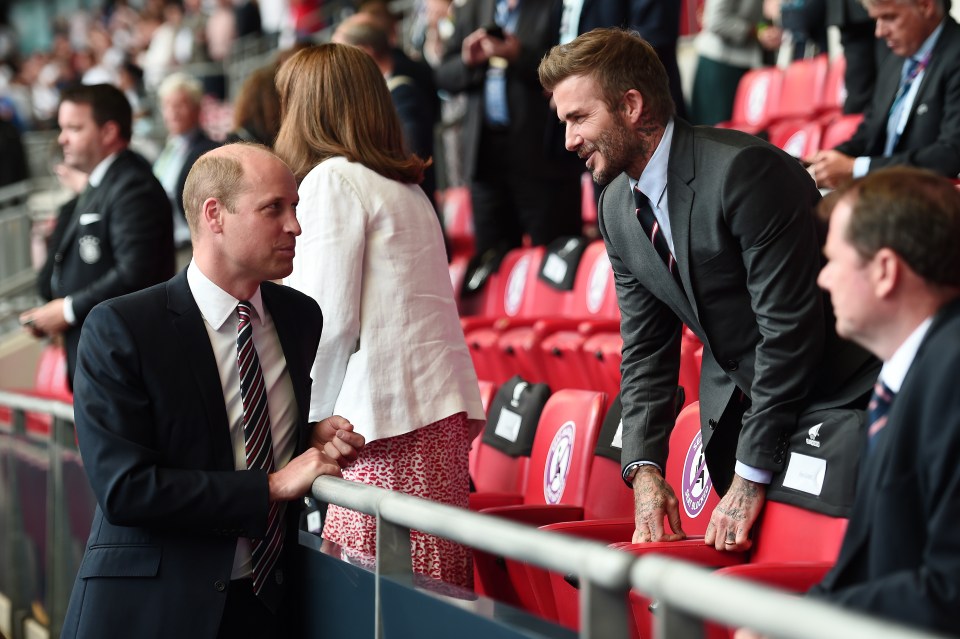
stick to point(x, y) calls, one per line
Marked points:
point(741, 213)
point(931, 138)
point(155, 439)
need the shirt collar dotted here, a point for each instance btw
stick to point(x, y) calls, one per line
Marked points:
point(216, 305)
point(96, 175)
point(653, 180)
point(895, 369)
point(927, 47)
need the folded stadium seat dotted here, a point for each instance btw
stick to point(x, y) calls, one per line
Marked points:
point(794, 549)
point(840, 130)
point(458, 220)
point(804, 82)
point(504, 447)
point(687, 473)
point(799, 138)
point(458, 269)
point(560, 463)
point(594, 305)
point(550, 301)
point(834, 91)
point(487, 391)
point(607, 497)
point(756, 101)
point(512, 294)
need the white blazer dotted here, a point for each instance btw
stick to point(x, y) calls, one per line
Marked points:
point(392, 355)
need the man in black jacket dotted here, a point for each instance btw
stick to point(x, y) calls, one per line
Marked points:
point(116, 237)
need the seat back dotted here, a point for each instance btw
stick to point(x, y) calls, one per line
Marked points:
point(588, 200)
point(790, 533)
point(608, 496)
point(594, 293)
point(840, 130)
point(563, 447)
point(799, 138)
point(802, 90)
point(835, 88)
point(687, 472)
point(757, 98)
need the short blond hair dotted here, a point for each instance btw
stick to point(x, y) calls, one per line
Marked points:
point(216, 174)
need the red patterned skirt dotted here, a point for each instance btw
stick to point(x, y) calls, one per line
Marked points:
point(430, 462)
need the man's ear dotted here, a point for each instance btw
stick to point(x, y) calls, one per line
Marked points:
point(887, 273)
point(109, 133)
point(211, 215)
point(632, 106)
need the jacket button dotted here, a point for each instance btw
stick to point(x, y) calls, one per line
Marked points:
point(219, 585)
point(712, 423)
point(732, 365)
point(778, 458)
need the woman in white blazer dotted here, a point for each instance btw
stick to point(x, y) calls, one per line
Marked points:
point(392, 357)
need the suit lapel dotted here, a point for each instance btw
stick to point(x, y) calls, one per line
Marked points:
point(198, 353)
point(680, 196)
point(285, 324)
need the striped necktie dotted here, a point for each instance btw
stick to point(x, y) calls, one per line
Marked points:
point(877, 411)
point(651, 227)
point(259, 451)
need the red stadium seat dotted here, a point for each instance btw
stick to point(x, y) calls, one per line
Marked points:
point(799, 138)
point(840, 130)
point(804, 82)
point(834, 90)
point(458, 219)
point(487, 390)
point(757, 100)
point(687, 474)
point(588, 200)
point(559, 467)
point(49, 382)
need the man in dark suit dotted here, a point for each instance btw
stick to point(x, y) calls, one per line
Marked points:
point(893, 273)
point(713, 229)
point(522, 182)
point(914, 116)
point(657, 22)
point(861, 49)
point(180, 95)
point(191, 413)
point(117, 236)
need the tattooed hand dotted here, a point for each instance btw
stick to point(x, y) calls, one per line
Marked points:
point(653, 499)
point(731, 521)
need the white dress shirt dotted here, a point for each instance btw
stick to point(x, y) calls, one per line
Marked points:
point(392, 356)
point(895, 369)
point(219, 311)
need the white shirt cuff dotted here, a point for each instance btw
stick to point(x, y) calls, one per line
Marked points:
point(861, 166)
point(756, 475)
point(68, 313)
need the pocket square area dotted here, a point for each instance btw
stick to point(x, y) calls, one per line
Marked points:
point(89, 218)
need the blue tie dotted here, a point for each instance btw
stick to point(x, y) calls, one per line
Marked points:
point(911, 69)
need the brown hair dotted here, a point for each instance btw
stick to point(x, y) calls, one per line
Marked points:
point(335, 102)
point(257, 108)
point(618, 60)
point(913, 212)
point(106, 102)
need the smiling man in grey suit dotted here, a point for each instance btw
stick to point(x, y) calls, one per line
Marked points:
point(191, 412)
point(914, 116)
point(713, 229)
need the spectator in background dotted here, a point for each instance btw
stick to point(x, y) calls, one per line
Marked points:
point(392, 359)
point(914, 117)
point(256, 111)
point(862, 51)
point(414, 108)
point(167, 48)
point(893, 273)
point(522, 181)
point(734, 37)
point(180, 95)
point(117, 236)
point(13, 160)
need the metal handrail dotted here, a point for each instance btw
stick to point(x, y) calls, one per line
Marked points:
point(686, 594)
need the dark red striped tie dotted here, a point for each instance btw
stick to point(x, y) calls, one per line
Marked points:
point(259, 446)
point(877, 412)
point(648, 221)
